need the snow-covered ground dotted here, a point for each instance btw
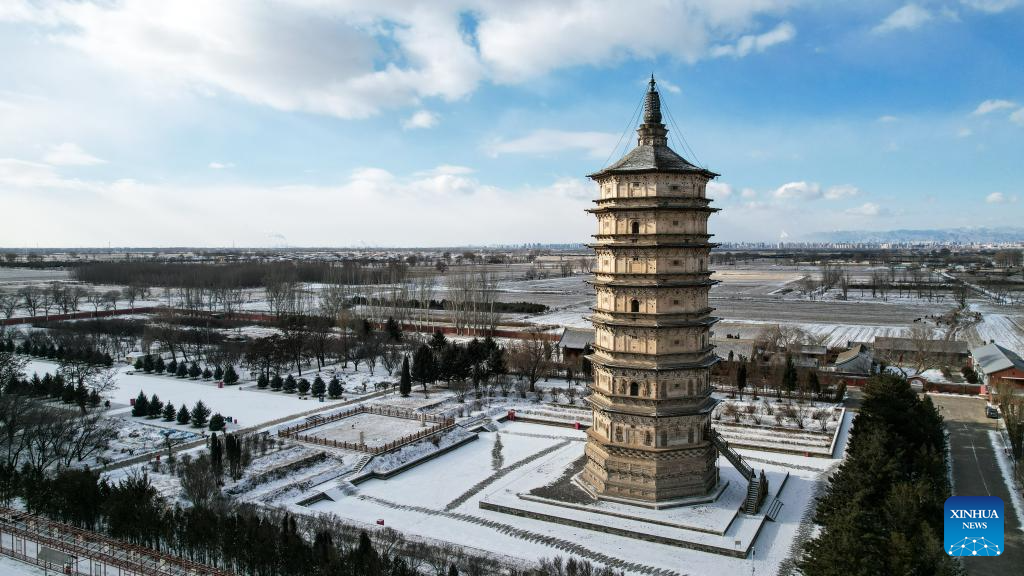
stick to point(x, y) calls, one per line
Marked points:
point(440, 499)
point(248, 405)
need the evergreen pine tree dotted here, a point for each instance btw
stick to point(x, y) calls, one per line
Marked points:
point(262, 381)
point(813, 384)
point(148, 364)
point(230, 376)
point(217, 422)
point(741, 379)
point(276, 383)
point(218, 373)
point(182, 370)
point(423, 367)
point(319, 387)
point(194, 371)
point(334, 389)
point(138, 363)
point(289, 385)
point(303, 386)
point(141, 407)
point(200, 414)
point(172, 367)
point(158, 365)
point(184, 415)
point(216, 452)
point(393, 330)
point(169, 412)
point(156, 407)
point(207, 374)
point(405, 384)
point(789, 375)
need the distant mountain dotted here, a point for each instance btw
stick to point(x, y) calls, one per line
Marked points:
point(943, 235)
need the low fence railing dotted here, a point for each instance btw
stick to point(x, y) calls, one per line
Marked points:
point(441, 424)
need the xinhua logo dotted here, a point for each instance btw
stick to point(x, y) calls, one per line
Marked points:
point(974, 526)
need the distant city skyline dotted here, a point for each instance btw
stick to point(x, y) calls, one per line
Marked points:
point(460, 122)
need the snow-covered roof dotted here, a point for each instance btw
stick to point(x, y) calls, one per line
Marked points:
point(851, 354)
point(809, 350)
point(576, 338)
point(993, 358)
point(911, 345)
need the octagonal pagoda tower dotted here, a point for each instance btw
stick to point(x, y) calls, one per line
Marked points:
point(650, 442)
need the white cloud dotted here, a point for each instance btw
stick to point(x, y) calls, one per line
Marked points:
point(528, 38)
point(1000, 198)
point(749, 193)
point(70, 154)
point(990, 6)
point(1018, 117)
point(866, 209)
point(597, 144)
point(887, 119)
point(220, 165)
point(719, 190)
point(667, 85)
point(841, 191)
point(992, 106)
point(354, 59)
point(750, 43)
point(421, 119)
point(21, 174)
point(445, 205)
point(908, 17)
point(798, 191)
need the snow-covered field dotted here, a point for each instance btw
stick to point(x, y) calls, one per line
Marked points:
point(249, 406)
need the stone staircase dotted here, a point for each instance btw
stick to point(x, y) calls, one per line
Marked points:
point(757, 486)
point(363, 461)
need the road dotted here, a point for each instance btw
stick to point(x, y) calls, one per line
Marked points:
point(976, 473)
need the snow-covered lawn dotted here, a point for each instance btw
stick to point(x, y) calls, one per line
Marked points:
point(370, 429)
point(247, 405)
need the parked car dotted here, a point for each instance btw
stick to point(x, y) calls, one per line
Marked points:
point(991, 412)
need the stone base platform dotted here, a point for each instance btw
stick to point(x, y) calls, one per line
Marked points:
point(548, 491)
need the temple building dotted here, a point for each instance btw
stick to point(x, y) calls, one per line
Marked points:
point(651, 442)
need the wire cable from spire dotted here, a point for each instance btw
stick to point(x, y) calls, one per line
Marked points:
point(685, 145)
point(629, 128)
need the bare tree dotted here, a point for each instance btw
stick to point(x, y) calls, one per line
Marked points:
point(31, 298)
point(529, 358)
point(8, 304)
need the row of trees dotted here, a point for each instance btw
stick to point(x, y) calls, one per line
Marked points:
point(64, 298)
point(882, 512)
point(49, 348)
point(198, 415)
point(275, 543)
point(152, 363)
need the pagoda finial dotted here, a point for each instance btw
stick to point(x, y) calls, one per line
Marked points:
point(652, 105)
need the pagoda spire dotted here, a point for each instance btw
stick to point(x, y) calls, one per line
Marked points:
point(652, 132)
point(652, 104)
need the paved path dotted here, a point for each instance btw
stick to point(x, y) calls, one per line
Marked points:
point(976, 473)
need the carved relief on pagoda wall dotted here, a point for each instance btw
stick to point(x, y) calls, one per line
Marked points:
point(653, 300)
point(650, 385)
point(653, 222)
point(646, 185)
point(641, 340)
point(667, 260)
point(642, 432)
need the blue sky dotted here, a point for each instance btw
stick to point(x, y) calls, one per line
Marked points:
point(310, 122)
